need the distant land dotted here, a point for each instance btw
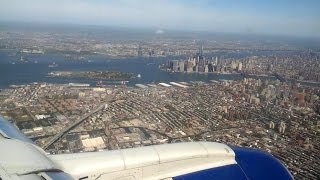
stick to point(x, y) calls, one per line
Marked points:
point(96, 75)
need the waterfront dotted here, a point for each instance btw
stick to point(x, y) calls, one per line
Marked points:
point(13, 72)
point(17, 74)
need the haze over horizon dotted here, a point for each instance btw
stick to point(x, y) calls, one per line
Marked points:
point(284, 17)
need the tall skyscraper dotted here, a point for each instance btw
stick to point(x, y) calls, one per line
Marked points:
point(190, 65)
point(175, 65)
point(240, 66)
point(201, 50)
point(206, 69)
point(140, 51)
point(181, 66)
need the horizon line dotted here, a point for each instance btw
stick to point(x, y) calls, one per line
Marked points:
point(153, 28)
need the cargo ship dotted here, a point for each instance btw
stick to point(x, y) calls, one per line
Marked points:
point(53, 65)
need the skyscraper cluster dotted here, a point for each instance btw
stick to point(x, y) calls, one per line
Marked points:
point(199, 63)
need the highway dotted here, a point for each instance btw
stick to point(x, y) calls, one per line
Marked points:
point(29, 113)
point(73, 125)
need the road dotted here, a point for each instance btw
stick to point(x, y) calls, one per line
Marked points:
point(29, 113)
point(73, 125)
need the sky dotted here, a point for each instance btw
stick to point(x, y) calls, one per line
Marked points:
point(281, 17)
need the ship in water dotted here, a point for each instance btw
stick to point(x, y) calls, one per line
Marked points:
point(22, 60)
point(53, 65)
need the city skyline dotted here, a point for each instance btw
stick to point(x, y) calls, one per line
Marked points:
point(294, 18)
point(110, 77)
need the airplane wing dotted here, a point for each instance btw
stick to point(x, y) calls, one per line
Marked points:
point(20, 159)
point(7, 130)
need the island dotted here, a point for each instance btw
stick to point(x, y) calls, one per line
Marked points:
point(97, 75)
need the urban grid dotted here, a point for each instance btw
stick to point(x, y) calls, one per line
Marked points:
point(273, 107)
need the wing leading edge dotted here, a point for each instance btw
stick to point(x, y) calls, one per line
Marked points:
point(7, 130)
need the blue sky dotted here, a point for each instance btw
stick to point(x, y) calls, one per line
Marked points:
point(287, 17)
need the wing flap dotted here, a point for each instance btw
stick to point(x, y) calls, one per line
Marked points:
point(153, 162)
